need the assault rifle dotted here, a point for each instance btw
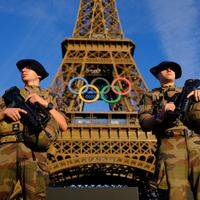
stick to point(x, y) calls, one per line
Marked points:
point(37, 116)
point(181, 101)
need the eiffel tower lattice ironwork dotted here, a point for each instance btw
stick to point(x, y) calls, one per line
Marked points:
point(98, 65)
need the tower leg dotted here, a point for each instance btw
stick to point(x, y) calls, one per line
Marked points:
point(148, 192)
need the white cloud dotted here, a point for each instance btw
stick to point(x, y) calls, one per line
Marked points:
point(177, 23)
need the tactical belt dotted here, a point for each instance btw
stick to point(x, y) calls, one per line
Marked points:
point(11, 138)
point(176, 131)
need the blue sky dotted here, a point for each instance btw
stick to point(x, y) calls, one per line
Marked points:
point(161, 30)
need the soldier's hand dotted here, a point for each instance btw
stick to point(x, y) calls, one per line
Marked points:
point(14, 113)
point(33, 98)
point(169, 107)
point(196, 94)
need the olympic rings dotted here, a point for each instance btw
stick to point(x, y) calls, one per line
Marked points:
point(101, 79)
point(74, 79)
point(102, 93)
point(120, 79)
point(80, 93)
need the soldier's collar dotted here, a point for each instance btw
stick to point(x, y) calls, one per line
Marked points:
point(31, 87)
point(168, 87)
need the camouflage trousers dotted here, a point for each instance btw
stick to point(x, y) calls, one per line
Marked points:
point(179, 166)
point(17, 164)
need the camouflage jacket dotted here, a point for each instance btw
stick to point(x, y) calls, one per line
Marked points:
point(152, 102)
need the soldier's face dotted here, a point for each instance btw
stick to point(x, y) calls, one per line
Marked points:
point(28, 75)
point(166, 76)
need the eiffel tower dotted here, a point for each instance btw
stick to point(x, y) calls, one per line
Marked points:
point(98, 66)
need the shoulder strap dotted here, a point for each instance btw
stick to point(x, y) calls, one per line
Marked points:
point(23, 92)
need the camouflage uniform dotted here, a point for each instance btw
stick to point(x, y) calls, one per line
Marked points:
point(18, 162)
point(178, 148)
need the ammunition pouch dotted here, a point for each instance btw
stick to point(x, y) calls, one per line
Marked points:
point(40, 142)
point(10, 128)
point(192, 117)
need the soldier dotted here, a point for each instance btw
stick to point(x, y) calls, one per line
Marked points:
point(178, 149)
point(18, 162)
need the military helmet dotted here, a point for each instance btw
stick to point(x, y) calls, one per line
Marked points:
point(192, 116)
point(34, 65)
point(165, 64)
